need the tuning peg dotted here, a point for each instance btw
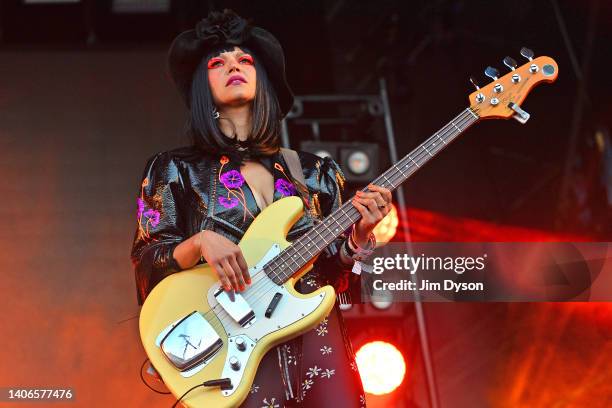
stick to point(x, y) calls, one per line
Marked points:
point(527, 53)
point(474, 82)
point(510, 63)
point(492, 73)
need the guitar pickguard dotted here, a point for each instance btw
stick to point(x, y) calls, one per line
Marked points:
point(259, 294)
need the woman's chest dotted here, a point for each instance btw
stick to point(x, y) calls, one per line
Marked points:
point(244, 190)
point(260, 181)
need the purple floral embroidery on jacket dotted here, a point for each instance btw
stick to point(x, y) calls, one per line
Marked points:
point(140, 207)
point(152, 216)
point(232, 179)
point(228, 202)
point(284, 187)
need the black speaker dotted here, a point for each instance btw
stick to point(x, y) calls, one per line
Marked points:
point(358, 161)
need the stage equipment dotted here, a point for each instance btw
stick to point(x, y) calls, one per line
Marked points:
point(141, 6)
point(207, 344)
point(50, 1)
point(359, 161)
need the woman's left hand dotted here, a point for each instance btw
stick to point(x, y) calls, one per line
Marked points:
point(373, 206)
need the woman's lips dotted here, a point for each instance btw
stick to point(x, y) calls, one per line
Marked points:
point(235, 80)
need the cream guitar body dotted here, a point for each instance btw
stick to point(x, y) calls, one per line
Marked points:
point(182, 293)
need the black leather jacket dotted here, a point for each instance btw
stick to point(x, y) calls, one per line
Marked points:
point(185, 190)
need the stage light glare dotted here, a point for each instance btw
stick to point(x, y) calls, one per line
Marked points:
point(387, 227)
point(381, 366)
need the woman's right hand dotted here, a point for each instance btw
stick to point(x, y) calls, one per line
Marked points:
point(226, 259)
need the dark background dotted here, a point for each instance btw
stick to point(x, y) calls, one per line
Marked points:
point(85, 100)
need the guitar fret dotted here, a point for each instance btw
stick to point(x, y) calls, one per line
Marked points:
point(306, 248)
point(384, 176)
point(399, 169)
point(344, 214)
point(336, 221)
point(416, 164)
point(292, 259)
point(428, 152)
point(456, 126)
point(297, 251)
point(437, 134)
point(320, 236)
point(473, 114)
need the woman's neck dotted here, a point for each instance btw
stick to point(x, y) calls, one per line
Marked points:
point(236, 119)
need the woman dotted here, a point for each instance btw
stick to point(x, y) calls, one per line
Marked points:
point(196, 202)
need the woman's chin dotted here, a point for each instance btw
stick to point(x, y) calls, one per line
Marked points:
point(238, 100)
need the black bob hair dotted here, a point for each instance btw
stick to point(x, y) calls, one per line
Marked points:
point(203, 128)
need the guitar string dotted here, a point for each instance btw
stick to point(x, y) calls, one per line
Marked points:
point(262, 291)
point(258, 292)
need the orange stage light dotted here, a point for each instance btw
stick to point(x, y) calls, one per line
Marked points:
point(382, 367)
point(386, 228)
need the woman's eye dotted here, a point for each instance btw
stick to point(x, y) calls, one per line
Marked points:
point(246, 59)
point(215, 62)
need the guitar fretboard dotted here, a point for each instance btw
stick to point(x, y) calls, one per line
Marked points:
point(309, 245)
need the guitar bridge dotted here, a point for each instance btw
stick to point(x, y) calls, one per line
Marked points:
point(190, 342)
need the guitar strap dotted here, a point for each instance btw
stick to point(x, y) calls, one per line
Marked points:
point(292, 373)
point(297, 173)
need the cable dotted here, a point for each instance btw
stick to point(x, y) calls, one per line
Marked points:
point(187, 392)
point(145, 383)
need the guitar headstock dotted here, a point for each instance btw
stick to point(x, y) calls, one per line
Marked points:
point(501, 99)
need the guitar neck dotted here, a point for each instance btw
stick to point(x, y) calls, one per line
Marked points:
point(324, 233)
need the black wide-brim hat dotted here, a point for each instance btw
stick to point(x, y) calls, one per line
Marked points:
point(227, 29)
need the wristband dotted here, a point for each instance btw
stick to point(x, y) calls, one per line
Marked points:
point(354, 251)
point(356, 248)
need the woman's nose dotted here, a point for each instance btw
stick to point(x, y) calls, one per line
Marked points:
point(233, 66)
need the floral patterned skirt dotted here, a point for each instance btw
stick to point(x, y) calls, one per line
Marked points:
point(327, 374)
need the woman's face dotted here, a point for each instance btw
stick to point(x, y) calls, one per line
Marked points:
point(232, 78)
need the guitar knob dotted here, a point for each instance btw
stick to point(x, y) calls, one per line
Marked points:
point(527, 53)
point(234, 363)
point(510, 63)
point(240, 343)
point(492, 73)
point(498, 88)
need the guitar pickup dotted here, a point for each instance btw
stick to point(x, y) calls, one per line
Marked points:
point(520, 114)
point(273, 303)
point(236, 306)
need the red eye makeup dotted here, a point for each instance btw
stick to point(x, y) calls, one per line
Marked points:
point(246, 59)
point(215, 63)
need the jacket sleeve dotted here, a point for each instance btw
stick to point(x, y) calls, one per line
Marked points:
point(330, 198)
point(160, 225)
